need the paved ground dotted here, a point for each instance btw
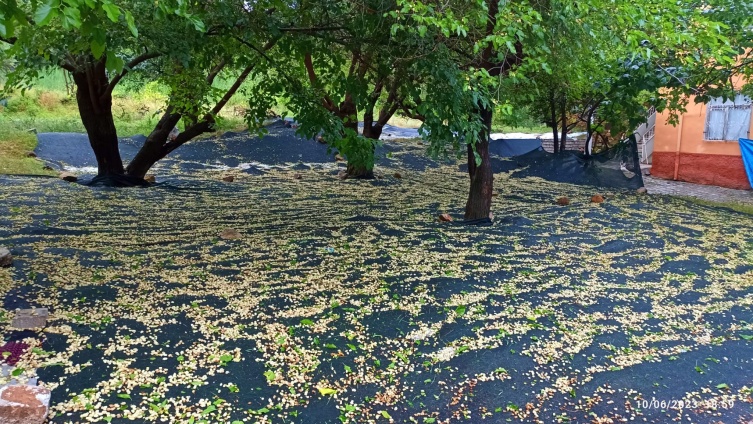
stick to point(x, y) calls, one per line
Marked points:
point(699, 191)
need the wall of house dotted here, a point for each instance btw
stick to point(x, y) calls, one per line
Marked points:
point(703, 162)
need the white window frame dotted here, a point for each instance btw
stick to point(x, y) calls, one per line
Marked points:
point(739, 103)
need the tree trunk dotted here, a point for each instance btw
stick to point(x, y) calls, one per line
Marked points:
point(563, 117)
point(96, 115)
point(553, 110)
point(589, 135)
point(154, 147)
point(373, 131)
point(482, 178)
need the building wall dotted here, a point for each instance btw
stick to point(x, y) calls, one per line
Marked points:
point(570, 144)
point(703, 162)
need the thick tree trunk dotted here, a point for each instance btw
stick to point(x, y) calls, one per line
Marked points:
point(154, 147)
point(96, 115)
point(372, 131)
point(482, 178)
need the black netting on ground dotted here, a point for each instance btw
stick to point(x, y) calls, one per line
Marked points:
point(618, 167)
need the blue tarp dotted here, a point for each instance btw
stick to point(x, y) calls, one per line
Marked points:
point(507, 148)
point(746, 147)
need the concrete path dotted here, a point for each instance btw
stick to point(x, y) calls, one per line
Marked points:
point(705, 192)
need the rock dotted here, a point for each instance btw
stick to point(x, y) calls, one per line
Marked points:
point(339, 158)
point(150, 178)
point(297, 176)
point(230, 234)
point(642, 190)
point(30, 154)
point(563, 201)
point(30, 318)
point(228, 178)
point(420, 143)
point(495, 194)
point(597, 199)
point(23, 404)
point(6, 259)
point(47, 168)
point(321, 140)
point(445, 217)
point(342, 174)
point(68, 176)
point(397, 175)
point(295, 126)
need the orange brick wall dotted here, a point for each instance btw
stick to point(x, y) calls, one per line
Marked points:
point(703, 162)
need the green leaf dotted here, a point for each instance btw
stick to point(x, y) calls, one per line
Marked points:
point(124, 396)
point(114, 63)
point(324, 391)
point(197, 23)
point(746, 337)
point(113, 12)
point(46, 11)
point(270, 375)
point(71, 18)
point(460, 310)
point(722, 386)
point(97, 49)
point(307, 322)
point(16, 372)
point(386, 415)
point(209, 409)
point(131, 24)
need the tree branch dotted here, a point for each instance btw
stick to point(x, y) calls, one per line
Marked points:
point(213, 74)
point(132, 64)
point(309, 64)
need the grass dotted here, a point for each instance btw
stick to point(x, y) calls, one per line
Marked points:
point(13, 148)
point(735, 206)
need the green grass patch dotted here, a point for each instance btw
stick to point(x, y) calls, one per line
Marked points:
point(735, 206)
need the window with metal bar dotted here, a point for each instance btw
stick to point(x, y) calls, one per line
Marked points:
point(728, 120)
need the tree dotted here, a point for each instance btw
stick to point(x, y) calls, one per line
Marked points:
point(100, 44)
point(514, 40)
point(360, 68)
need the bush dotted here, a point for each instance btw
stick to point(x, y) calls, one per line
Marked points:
point(26, 104)
point(49, 100)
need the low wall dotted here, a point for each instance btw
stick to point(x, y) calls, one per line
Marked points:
point(571, 144)
point(719, 170)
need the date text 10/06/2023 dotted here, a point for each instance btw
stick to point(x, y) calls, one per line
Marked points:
point(683, 403)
